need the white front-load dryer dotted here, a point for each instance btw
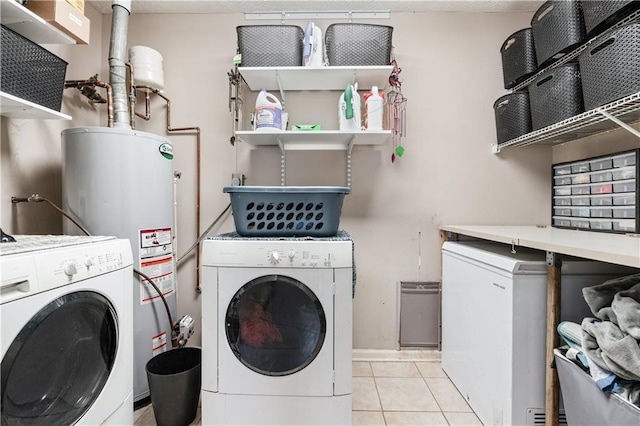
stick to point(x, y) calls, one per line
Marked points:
point(277, 331)
point(66, 312)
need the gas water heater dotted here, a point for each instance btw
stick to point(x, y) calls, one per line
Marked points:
point(119, 181)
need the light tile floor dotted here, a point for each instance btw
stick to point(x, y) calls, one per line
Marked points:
point(391, 393)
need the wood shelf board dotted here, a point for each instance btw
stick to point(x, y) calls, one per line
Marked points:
point(621, 249)
point(315, 78)
point(26, 23)
point(14, 107)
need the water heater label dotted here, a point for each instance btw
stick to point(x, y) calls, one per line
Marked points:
point(156, 262)
point(159, 343)
point(166, 150)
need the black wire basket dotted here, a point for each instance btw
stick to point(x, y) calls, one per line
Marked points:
point(30, 72)
point(270, 45)
point(358, 44)
point(610, 67)
point(518, 57)
point(555, 96)
point(558, 27)
point(513, 116)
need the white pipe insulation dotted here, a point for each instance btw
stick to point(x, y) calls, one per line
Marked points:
point(117, 62)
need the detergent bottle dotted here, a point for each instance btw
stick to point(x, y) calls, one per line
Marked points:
point(373, 109)
point(268, 113)
point(349, 109)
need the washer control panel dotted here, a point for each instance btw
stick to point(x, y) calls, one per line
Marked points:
point(281, 254)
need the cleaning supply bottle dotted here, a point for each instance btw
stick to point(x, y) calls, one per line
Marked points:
point(373, 109)
point(268, 113)
point(349, 109)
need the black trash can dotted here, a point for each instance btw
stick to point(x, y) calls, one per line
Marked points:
point(174, 384)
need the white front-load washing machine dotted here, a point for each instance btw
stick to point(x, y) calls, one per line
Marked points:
point(277, 330)
point(66, 313)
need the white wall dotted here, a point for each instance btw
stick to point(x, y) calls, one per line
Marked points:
point(451, 72)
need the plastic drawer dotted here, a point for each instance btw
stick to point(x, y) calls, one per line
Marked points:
point(601, 200)
point(624, 186)
point(602, 188)
point(580, 212)
point(601, 164)
point(624, 200)
point(562, 211)
point(562, 190)
point(562, 170)
point(624, 160)
point(562, 180)
point(601, 212)
point(580, 223)
point(626, 225)
point(624, 173)
point(562, 221)
point(600, 224)
point(580, 201)
point(580, 190)
point(624, 212)
point(580, 167)
point(581, 178)
point(561, 201)
point(604, 176)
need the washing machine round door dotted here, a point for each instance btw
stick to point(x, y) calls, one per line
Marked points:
point(59, 362)
point(275, 325)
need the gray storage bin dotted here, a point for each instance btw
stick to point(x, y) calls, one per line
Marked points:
point(358, 44)
point(270, 45)
point(286, 211)
point(586, 404)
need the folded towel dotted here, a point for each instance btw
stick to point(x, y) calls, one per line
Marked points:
point(571, 333)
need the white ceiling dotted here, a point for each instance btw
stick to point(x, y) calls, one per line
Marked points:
point(238, 6)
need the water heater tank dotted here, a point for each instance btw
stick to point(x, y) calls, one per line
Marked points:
point(119, 182)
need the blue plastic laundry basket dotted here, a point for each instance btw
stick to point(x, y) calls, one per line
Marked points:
point(286, 211)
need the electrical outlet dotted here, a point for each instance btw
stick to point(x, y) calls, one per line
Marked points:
point(237, 179)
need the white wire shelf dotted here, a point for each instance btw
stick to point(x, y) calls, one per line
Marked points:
point(626, 110)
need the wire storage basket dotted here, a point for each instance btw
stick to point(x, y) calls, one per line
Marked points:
point(610, 67)
point(358, 44)
point(29, 71)
point(518, 57)
point(513, 115)
point(601, 14)
point(555, 96)
point(286, 211)
point(270, 45)
point(558, 26)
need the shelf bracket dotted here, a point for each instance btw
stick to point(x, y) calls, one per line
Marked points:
point(495, 148)
point(282, 98)
point(283, 160)
point(349, 148)
point(619, 122)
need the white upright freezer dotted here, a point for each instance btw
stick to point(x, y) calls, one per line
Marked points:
point(494, 324)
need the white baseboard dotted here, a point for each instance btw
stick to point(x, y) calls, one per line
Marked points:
point(424, 355)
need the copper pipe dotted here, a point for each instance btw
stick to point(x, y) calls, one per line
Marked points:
point(93, 82)
point(132, 96)
point(171, 129)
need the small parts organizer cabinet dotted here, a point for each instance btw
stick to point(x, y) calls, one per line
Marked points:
point(598, 194)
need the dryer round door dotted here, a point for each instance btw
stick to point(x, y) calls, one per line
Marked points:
point(275, 325)
point(57, 365)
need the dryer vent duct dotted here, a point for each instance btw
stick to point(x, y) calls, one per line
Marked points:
point(117, 61)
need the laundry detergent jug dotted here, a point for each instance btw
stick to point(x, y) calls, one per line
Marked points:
point(349, 109)
point(268, 113)
point(373, 109)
